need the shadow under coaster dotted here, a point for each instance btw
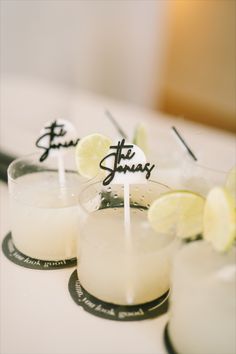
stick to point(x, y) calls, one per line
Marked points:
point(168, 345)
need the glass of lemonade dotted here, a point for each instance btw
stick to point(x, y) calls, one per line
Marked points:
point(44, 215)
point(200, 177)
point(203, 300)
point(106, 269)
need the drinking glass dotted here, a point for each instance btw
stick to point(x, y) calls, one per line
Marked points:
point(44, 213)
point(202, 301)
point(201, 178)
point(112, 268)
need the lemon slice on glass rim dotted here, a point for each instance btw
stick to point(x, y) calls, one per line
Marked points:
point(219, 220)
point(140, 137)
point(230, 183)
point(89, 151)
point(179, 213)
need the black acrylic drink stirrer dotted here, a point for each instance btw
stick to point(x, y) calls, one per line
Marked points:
point(185, 144)
point(114, 122)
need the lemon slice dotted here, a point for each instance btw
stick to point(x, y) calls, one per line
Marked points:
point(178, 212)
point(230, 183)
point(219, 221)
point(140, 137)
point(90, 150)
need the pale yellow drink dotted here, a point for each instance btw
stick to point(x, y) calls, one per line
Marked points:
point(45, 217)
point(203, 300)
point(107, 272)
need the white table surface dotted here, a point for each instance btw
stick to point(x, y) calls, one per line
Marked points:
point(38, 315)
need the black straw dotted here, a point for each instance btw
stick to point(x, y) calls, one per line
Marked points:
point(185, 144)
point(112, 119)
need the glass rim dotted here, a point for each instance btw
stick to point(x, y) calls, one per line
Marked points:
point(99, 182)
point(212, 169)
point(26, 156)
point(32, 156)
point(15, 161)
point(206, 167)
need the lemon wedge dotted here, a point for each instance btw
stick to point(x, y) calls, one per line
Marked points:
point(219, 220)
point(230, 183)
point(140, 137)
point(177, 212)
point(89, 151)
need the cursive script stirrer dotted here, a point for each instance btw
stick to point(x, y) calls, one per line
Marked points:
point(126, 164)
point(55, 138)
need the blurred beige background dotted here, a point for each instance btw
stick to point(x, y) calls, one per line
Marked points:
point(113, 48)
point(200, 68)
point(177, 56)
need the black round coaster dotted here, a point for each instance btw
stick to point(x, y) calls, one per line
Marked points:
point(15, 256)
point(169, 346)
point(115, 312)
